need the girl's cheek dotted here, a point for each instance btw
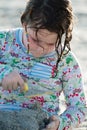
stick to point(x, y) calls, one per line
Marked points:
point(32, 42)
point(32, 46)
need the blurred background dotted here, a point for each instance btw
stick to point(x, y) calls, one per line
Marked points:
point(10, 12)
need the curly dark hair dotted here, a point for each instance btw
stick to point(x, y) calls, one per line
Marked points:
point(53, 15)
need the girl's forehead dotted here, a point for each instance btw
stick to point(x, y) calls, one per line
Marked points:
point(43, 35)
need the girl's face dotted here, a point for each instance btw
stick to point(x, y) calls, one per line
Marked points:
point(42, 43)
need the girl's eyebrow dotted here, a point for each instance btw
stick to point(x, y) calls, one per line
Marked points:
point(44, 33)
point(41, 40)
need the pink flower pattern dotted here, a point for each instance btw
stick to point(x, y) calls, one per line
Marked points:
point(43, 86)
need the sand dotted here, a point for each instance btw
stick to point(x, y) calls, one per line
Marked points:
point(32, 118)
point(10, 12)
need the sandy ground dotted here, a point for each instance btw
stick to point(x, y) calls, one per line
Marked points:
point(10, 12)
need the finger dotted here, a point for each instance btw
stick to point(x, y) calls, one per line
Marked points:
point(54, 123)
point(14, 86)
point(25, 79)
point(4, 84)
point(54, 117)
point(9, 87)
point(51, 125)
point(21, 84)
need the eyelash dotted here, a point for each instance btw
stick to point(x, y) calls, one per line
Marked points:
point(51, 44)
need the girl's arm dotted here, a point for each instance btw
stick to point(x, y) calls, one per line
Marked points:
point(4, 70)
point(74, 95)
point(5, 38)
point(9, 78)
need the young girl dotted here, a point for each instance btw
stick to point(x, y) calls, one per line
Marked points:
point(40, 54)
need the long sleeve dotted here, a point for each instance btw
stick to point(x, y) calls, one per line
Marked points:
point(5, 38)
point(4, 70)
point(74, 95)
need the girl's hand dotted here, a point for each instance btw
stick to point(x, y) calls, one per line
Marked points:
point(53, 125)
point(12, 81)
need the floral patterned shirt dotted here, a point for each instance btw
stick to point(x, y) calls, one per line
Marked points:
point(42, 86)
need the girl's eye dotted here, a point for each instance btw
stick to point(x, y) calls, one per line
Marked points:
point(51, 44)
point(34, 39)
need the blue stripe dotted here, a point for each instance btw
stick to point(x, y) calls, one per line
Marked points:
point(9, 107)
